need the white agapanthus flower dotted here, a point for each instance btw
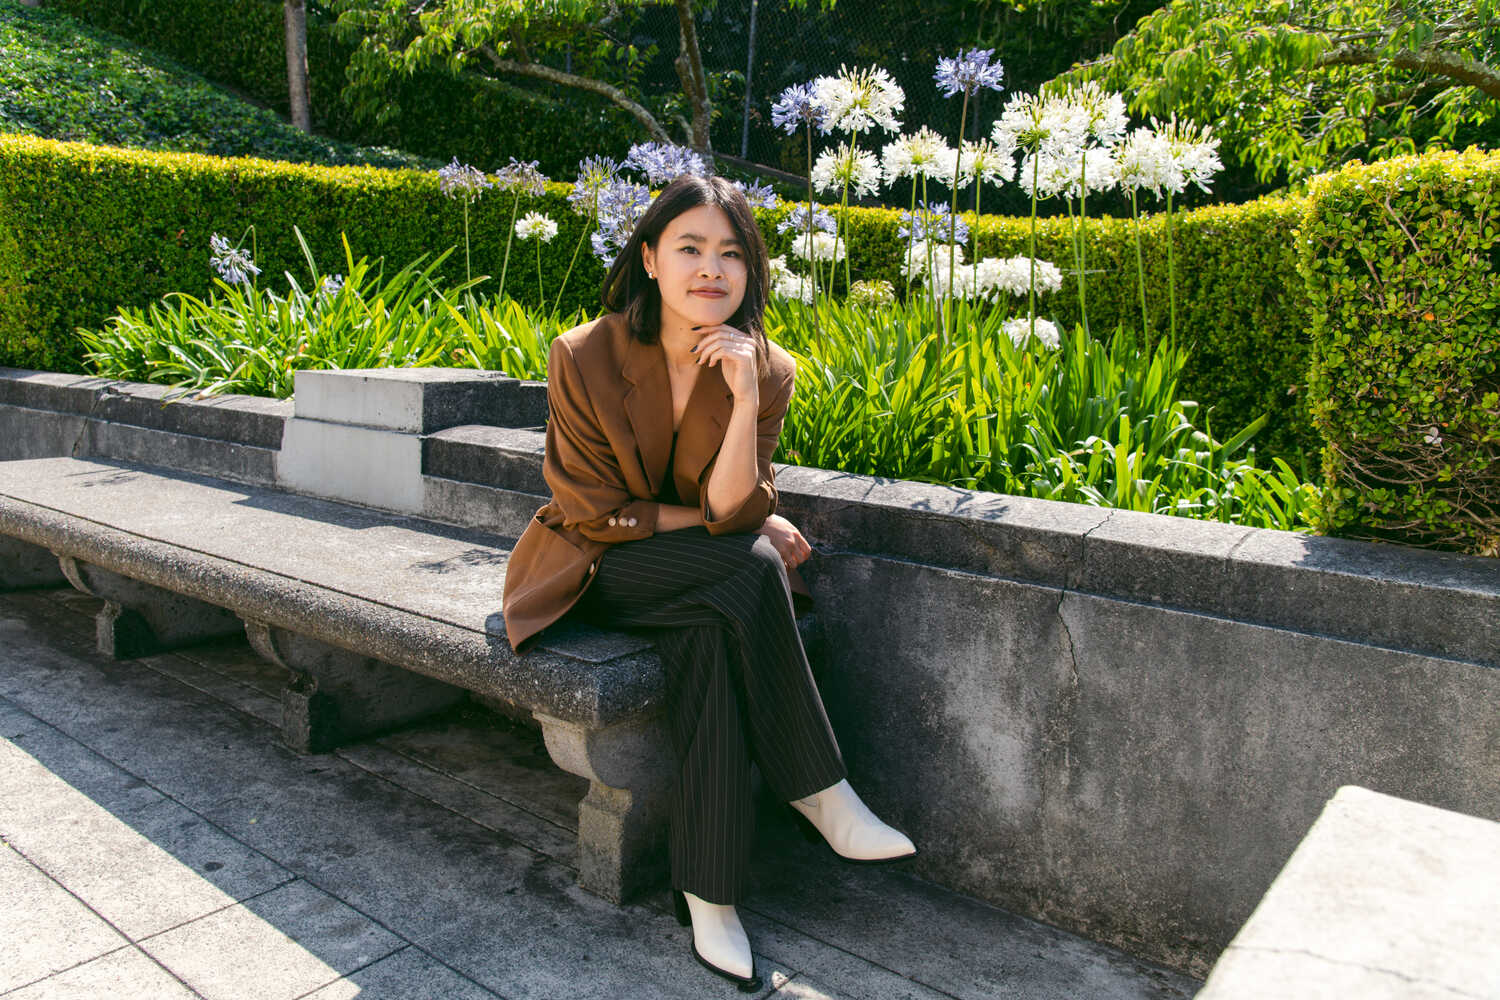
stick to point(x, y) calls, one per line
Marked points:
point(915, 266)
point(779, 269)
point(872, 294)
point(854, 100)
point(984, 159)
point(1102, 112)
point(1058, 175)
point(1019, 330)
point(535, 224)
point(793, 286)
point(923, 153)
point(847, 164)
point(1034, 123)
point(1194, 149)
point(1012, 276)
point(1144, 161)
point(825, 246)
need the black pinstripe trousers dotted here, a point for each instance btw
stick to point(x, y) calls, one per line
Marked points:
point(738, 687)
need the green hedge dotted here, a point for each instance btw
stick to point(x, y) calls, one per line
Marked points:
point(135, 226)
point(480, 122)
point(1402, 264)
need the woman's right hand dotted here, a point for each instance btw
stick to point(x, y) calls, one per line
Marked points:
point(787, 539)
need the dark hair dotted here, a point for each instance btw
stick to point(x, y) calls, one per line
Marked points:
point(627, 289)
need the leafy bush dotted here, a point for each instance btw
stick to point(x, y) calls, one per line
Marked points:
point(1402, 264)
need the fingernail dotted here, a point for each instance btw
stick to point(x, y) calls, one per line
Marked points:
point(695, 346)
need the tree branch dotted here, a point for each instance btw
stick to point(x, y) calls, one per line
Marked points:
point(1454, 65)
point(614, 94)
point(689, 65)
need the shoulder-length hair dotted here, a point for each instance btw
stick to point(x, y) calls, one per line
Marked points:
point(627, 290)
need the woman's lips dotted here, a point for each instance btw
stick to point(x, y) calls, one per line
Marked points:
point(711, 295)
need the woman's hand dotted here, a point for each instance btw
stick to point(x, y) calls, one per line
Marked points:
point(734, 352)
point(787, 539)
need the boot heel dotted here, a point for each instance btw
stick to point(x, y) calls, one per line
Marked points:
point(679, 903)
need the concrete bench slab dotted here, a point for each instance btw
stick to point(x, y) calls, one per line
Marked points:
point(380, 618)
point(1384, 898)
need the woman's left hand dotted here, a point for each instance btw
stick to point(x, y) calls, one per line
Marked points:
point(734, 352)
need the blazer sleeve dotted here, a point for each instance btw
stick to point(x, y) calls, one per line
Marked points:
point(579, 465)
point(760, 503)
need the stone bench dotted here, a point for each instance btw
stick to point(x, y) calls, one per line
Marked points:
point(1383, 898)
point(380, 618)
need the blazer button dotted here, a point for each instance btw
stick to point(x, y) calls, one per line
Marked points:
point(611, 522)
point(632, 522)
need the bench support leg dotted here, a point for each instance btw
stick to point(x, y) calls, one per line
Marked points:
point(25, 565)
point(139, 619)
point(622, 819)
point(335, 696)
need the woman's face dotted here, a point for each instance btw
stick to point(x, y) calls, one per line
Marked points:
point(698, 251)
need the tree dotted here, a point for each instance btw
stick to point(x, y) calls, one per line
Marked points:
point(529, 38)
point(296, 63)
point(1300, 87)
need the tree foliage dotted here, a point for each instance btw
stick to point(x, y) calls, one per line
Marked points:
point(1296, 87)
point(584, 44)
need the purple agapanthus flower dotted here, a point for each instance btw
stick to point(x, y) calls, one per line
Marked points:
point(797, 221)
point(461, 179)
point(521, 177)
point(594, 174)
point(233, 264)
point(663, 162)
point(970, 71)
point(797, 105)
point(934, 226)
point(757, 194)
point(621, 205)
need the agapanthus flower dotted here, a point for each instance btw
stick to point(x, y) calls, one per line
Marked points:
point(933, 222)
point(825, 246)
point(519, 177)
point(796, 105)
point(1144, 160)
point(757, 194)
point(594, 173)
point(872, 294)
point(461, 179)
point(797, 221)
point(1033, 123)
point(1066, 176)
point(794, 286)
point(981, 158)
point(1012, 276)
point(854, 100)
point(1101, 112)
point(847, 164)
point(663, 162)
point(917, 253)
point(921, 154)
point(970, 71)
point(329, 287)
point(1194, 149)
point(535, 224)
point(234, 265)
point(1019, 330)
point(621, 205)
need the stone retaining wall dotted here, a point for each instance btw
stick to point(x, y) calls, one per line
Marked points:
point(1119, 723)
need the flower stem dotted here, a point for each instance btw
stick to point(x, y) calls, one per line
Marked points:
point(593, 211)
point(508, 234)
point(1140, 269)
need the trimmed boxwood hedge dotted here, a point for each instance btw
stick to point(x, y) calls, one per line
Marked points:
point(86, 229)
point(1402, 264)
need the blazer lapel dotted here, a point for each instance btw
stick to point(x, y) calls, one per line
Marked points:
point(648, 406)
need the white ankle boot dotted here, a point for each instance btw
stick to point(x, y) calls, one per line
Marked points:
point(851, 829)
point(719, 939)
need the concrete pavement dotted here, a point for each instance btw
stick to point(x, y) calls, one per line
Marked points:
point(156, 842)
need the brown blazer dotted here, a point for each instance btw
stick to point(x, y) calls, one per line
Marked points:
point(609, 430)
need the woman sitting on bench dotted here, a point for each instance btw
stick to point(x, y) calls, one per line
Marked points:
point(665, 412)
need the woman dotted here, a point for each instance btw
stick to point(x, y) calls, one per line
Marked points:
point(665, 412)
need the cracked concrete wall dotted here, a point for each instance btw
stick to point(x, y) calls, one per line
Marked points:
point(1131, 772)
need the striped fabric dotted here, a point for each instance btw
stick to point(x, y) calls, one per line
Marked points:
point(738, 687)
